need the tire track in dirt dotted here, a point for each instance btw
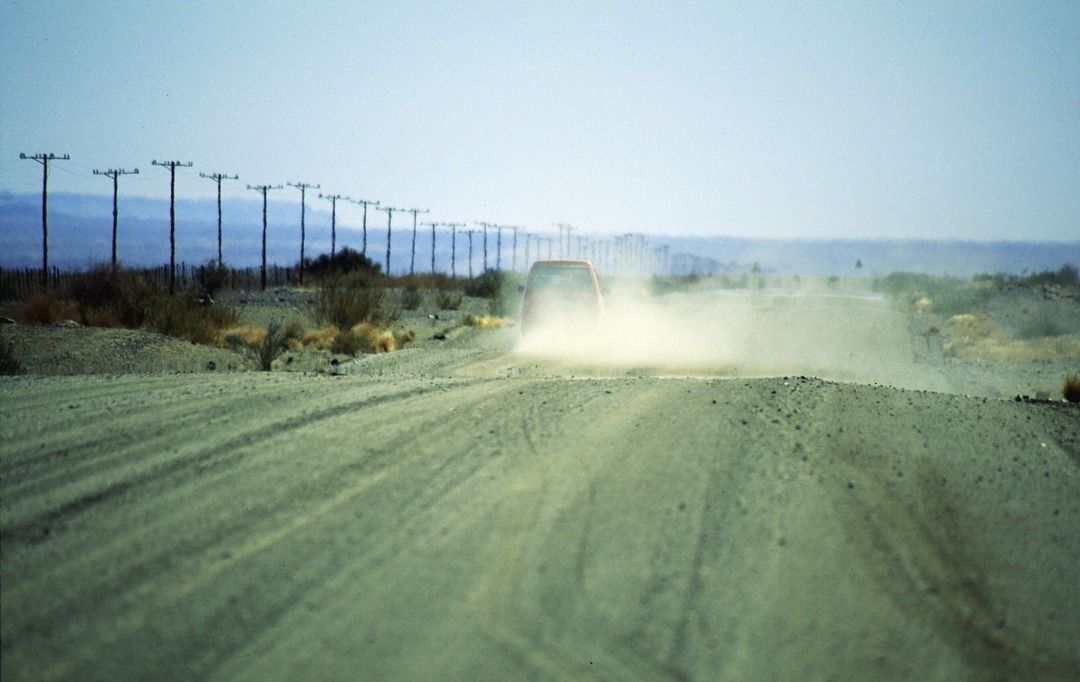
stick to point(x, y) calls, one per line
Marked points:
point(29, 528)
point(467, 394)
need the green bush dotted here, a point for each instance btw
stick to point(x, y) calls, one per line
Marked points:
point(1039, 326)
point(348, 342)
point(272, 346)
point(212, 278)
point(186, 317)
point(342, 302)
point(448, 300)
point(411, 298)
point(948, 295)
point(345, 261)
point(485, 285)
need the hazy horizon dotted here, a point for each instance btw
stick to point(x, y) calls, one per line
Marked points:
point(759, 120)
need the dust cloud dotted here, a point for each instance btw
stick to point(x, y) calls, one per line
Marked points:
point(846, 337)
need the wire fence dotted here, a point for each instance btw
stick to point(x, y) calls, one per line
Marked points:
point(17, 284)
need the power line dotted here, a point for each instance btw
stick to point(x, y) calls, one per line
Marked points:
point(303, 187)
point(217, 178)
point(114, 174)
point(44, 160)
point(263, 189)
point(172, 166)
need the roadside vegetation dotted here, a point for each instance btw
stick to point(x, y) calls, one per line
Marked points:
point(9, 364)
point(102, 297)
point(1071, 388)
point(999, 318)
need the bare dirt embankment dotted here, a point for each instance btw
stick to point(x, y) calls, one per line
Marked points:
point(464, 510)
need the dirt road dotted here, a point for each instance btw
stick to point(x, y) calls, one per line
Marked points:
point(479, 514)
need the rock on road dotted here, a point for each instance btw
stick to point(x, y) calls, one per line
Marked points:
point(481, 524)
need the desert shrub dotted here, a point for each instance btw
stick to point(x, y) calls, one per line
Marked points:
point(448, 300)
point(1071, 388)
point(46, 308)
point(1039, 326)
point(349, 342)
point(947, 295)
point(9, 364)
point(320, 339)
point(485, 285)
point(430, 281)
point(662, 286)
point(1065, 276)
point(97, 288)
point(294, 331)
point(211, 278)
point(345, 261)
point(186, 317)
point(506, 299)
point(344, 304)
point(411, 298)
point(272, 345)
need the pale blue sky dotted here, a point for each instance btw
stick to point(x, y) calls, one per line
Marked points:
point(856, 119)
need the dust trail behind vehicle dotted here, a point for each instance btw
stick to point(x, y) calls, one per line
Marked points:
point(760, 333)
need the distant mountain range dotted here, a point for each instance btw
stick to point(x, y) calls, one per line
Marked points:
point(80, 233)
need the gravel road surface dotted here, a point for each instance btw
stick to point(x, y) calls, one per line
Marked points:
point(474, 513)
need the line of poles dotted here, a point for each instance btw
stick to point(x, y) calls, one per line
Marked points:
point(628, 254)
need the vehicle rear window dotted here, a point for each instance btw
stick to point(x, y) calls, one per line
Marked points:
point(565, 277)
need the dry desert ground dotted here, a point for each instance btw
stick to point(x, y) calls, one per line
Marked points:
point(757, 485)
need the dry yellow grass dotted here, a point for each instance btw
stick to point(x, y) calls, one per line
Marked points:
point(972, 337)
point(487, 321)
point(319, 339)
point(242, 335)
point(378, 340)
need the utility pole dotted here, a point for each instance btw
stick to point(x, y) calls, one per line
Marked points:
point(470, 233)
point(44, 160)
point(563, 227)
point(580, 241)
point(217, 178)
point(263, 189)
point(412, 259)
point(389, 230)
point(303, 187)
point(114, 174)
point(498, 248)
point(433, 225)
point(172, 166)
point(365, 203)
point(333, 198)
point(528, 238)
point(453, 246)
point(485, 226)
point(513, 249)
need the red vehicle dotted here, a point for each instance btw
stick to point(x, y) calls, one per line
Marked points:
point(560, 294)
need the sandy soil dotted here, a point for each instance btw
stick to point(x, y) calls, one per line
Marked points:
point(723, 487)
